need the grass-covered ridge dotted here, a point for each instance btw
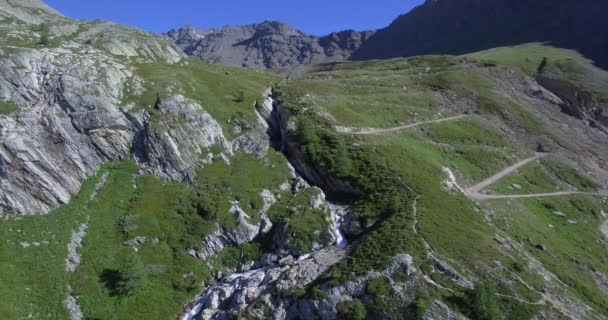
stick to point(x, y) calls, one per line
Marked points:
point(227, 93)
point(539, 59)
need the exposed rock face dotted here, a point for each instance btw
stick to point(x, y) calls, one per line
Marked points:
point(71, 116)
point(259, 289)
point(67, 126)
point(266, 45)
point(438, 310)
point(28, 11)
point(577, 102)
point(458, 27)
point(242, 233)
point(282, 132)
point(171, 146)
point(237, 291)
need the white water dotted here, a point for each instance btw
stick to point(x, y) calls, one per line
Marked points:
point(337, 219)
point(336, 226)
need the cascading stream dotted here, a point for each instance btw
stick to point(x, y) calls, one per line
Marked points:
point(336, 211)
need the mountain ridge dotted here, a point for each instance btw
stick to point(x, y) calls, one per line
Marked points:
point(266, 45)
point(464, 26)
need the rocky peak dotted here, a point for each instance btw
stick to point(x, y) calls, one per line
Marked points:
point(269, 28)
point(28, 11)
point(266, 45)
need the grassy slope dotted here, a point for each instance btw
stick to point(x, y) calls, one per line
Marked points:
point(572, 250)
point(548, 175)
point(125, 208)
point(378, 94)
point(227, 93)
point(452, 225)
point(158, 209)
point(33, 278)
point(560, 63)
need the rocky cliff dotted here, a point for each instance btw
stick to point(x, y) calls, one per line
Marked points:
point(69, 117)
point(266, 45)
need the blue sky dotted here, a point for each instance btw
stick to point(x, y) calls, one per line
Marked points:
point(312, 16)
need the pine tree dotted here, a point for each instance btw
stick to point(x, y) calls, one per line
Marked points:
point(485, 303)
point(133, 275)
point(44, 35)
point(307, 136)
point(343, 163)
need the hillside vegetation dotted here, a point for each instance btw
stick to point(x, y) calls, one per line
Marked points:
point(348, 191)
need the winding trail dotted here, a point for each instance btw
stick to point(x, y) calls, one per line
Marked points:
point(540, 302)
point(368, 131)
point(475, 191)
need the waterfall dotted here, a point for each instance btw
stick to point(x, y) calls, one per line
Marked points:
point(337, 220)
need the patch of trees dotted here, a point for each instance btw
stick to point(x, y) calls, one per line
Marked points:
point(44, 39)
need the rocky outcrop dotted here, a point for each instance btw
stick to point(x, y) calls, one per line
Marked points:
point(238, 291)
point(67, 125)
point(171, 144)
point(73, 259)
point(72, 116)
point(28, 11)
point(266, 292)
point(577, 102)
point(438, 310)
point(266, 45)
point(244, 232)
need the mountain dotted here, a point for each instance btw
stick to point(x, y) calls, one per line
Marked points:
point(463, 26)
point(29, 11)
point(139, 183)
point(266, 45)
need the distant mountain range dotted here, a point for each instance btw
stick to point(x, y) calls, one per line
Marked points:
point(267, 45)
point(435, 27)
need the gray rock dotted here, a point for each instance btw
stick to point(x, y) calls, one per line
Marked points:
point(71, 303)
point(438, 310)
point(73, 259)
point(175, 152)
point(266, 45)
point(242, 233)
point(28, 11)
point(253, 143)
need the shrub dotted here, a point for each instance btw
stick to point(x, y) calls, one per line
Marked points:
point(378, 287)
point(343, 163)
point(351, 310)
point(542, 65)
point(485, 303)
point(317, 294)
point(133, 275)
point(307, 136)
point(422, 301)
point(44, 35)
point(239, 97)
point(128, 279)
